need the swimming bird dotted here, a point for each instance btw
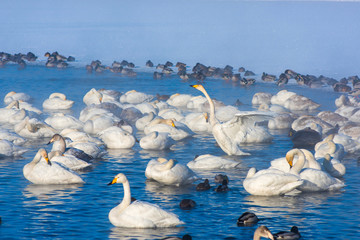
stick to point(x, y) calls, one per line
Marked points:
point(333, 166)
point(11, 96)
point(223, 187)
point(187, 204)
point(208, 161)
point(262, 231)
point(270, 182)
point(247, 219)
point(169, 172)
point(185, 237)
point(203, 186)
point(305, 138)
point(139, 214)
point(219, 178)
point(293, 234)
point(314, 180)
point(59, 144)
point(156, 141)
point(9, 149)
point(116, 137)
point(57, 101)
point(41, 171)
point(68, 160)
point(238, 130)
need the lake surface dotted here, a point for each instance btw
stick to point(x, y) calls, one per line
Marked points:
point(81, 211)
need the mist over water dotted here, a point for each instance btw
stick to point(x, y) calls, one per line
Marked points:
point(311, 37)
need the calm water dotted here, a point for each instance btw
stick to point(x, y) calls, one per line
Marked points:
point(81, 211)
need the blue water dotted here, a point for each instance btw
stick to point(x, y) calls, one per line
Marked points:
point(81, 211)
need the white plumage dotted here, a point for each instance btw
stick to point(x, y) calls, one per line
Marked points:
point(139, 214)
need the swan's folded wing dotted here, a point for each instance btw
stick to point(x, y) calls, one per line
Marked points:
point(244, 120)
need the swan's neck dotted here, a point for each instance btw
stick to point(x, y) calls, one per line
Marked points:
point(35, 161)
point(296, 168)
point(59, 145)
point(168, 165)
point(212, 118)
point(251, 172)
point(126, 199)
point(332, 147)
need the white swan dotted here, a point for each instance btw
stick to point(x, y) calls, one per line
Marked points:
point(170, 172)
point(208, 162)
point(11, 96)
point(33, 128)
point(198, 122)
point(139, 214)
point(281, 97)
point(8, 149)
point(176, 130)
point(283, 165)
point(171, 113)
point(57, 101)
point(270, 182)
point(134, 97)
point(281, 121)
point(142, 122)
point(59, 144)
point(92, 97)
point(179, 100)
point(78, 136)
point(61, 121)
point(12, 113)
point(314, 180)
point(98, 123)
point(156, 141)
point(333, 166)
point(260, 98)
point(327, 146)
point(300, 103)
point(41, 171)
point(68, 160)
point(240, 129)
point(116, 137)
point(12, 137)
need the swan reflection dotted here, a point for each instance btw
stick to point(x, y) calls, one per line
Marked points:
point(121, 155)
point(142, 234)
point(50, 194)
point(166, 192)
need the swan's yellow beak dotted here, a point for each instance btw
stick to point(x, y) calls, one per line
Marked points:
point(172, 123)
point(194, 86)
point(113, 181)
point(290, 161)
point(47, 160)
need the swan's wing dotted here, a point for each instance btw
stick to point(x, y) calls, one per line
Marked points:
point(146, 212)
point(242, 121)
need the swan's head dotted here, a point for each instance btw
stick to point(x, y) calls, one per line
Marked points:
point(206, 116)
point(327, 157)
point(14, 103)
point(329, 138)
point(9, 94)
point(54, 138)
point(198, 87)
point(263, 231)
point(44, 154)
point(161, 160)
point(290, 155)
point(120, 178)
